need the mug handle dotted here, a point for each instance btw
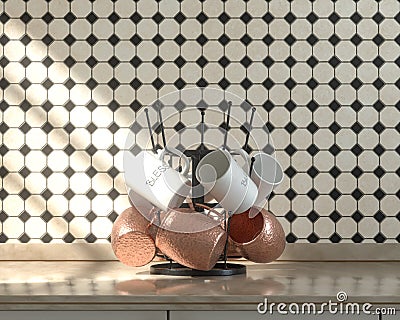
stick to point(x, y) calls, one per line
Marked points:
point(245, 156)
point(176, 152)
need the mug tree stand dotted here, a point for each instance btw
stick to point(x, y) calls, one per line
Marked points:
point(222, 268)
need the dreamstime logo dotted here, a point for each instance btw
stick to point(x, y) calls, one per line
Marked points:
point(339, 307)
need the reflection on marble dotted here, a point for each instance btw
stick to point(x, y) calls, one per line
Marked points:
point(112, 282)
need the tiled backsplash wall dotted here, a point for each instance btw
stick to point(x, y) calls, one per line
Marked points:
point(324, 75)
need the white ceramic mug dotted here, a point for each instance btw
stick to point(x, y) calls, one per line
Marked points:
point(154, 180)
point(223, 178)
point(266, 173)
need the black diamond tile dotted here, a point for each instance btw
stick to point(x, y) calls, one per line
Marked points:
point(91, 172)
point(290, 172)
point(4, 39)
point(290, 149)
point(135, 105)
point(180, 17)
point(379, 194)
point(379, 149)
point(313, 194)
point(335, 216)
point(46, 238)
point(290, 18)
point(47, 172)
point(378, 18)
point(70, 62)
point(4, 17)
point(4, 62)
point(3, 172)
point(357, 216)
point(313, 172)
point(136, 17)
point(26, 40)
point(25, 17)
point(313, 238)
point(334, 61)
point(158, 40)
point(25, 150)
point(92, 39)
point(357, 194)
point(48, 17)
point(312, 40)
point(69, 238)
point(334, 40)
point(158, 83)
point(335, 194)
point(268, 39)
point(290, 62)
point(224, 18)
point(91, 216)
point(246, 17)
point(379, 216)
point(290, 216)
point(268, 61)
point(246, 83)
point(4, 127)
point(357, 238)
point(114, 18)
point(91, 194)
point(290, 127)
point(136, 39)
point(356, 18)
point(335, 238)
point(202, 61)
point(92, 18)
point(268, 83)
point(3, 217)
point(114, 40)
point(268, 18)
point(312, 18)
point(246, 39)
point(158, 17)
point(91, 238)
point(46, 216)
point(356, 39)
point(334, 18)
point(290, 83)
point(70, 18)
point(378, 83)
point(113, 172)
point(313, 216)
point(24, 238)
point(3, 150)
point(290, 40)
point(202, 39)
point(47, 40)
point(380, 238)
point(378, 106)
point(291, 194)
point(357, 172)
point(202, 17)
point(378, 39)
point(356, 83)
point(291, 238)
point(180, 39)
point(24, 216)
point(334, 83)
point(4, 84)
point(379, 172)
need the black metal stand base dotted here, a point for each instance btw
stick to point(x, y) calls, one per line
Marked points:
point(176, 269)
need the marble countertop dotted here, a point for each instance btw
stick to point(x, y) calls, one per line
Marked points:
point(61, 284)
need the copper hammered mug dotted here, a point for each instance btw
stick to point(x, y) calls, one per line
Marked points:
point(191, 238)
point(130, 239)
point(259, 239)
